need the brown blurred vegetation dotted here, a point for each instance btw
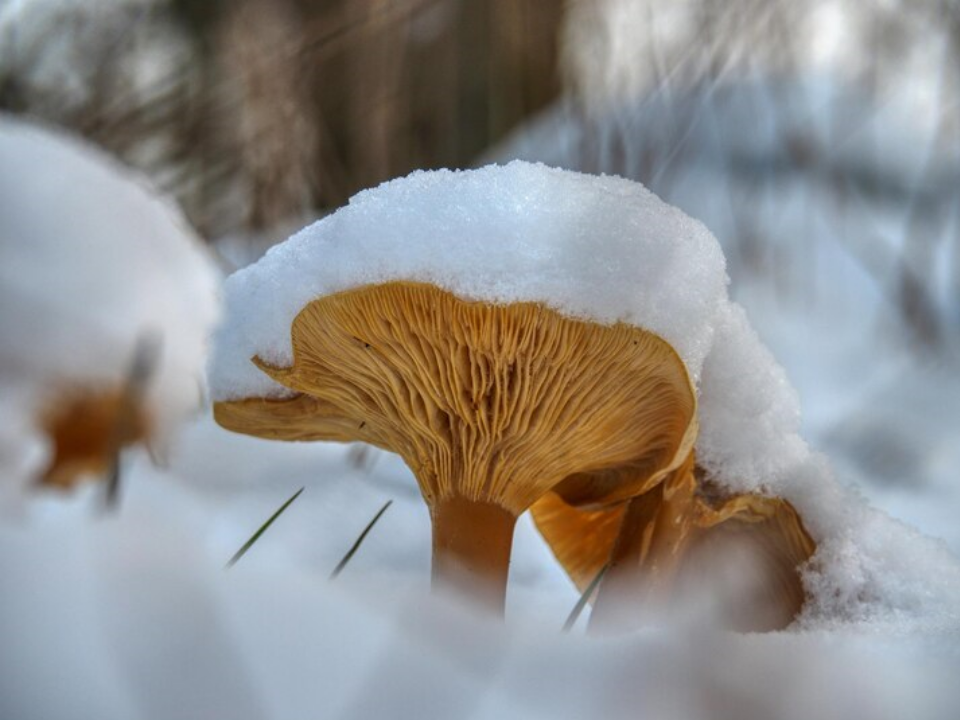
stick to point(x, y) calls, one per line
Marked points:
point(271, 111)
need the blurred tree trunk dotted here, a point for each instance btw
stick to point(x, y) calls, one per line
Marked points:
point(259, 44)
point(271, 109)
point(426, 83)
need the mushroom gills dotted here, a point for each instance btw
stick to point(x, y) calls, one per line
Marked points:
point(490, 405)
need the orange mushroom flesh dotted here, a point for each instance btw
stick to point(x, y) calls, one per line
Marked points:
point(86, 428)
point(678, 541)
point(490, 405)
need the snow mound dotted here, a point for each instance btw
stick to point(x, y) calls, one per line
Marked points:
point(598, 248)
point(92, 264)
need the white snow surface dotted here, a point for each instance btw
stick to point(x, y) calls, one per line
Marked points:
point(131, 615)
point(93, 262)
point(598, 248)
point(749, 413)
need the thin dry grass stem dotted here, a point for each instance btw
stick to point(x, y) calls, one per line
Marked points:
point(260, 531)
point(362, 457)
point(359, 541)
point(585, 597)
point(276, 133)
point(145, 358)
point(264, 112)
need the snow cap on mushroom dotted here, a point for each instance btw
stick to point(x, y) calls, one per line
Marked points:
point(603, 249)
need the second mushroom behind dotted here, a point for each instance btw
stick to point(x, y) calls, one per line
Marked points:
point(684, 546)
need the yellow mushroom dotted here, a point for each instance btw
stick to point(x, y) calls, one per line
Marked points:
point(86, 428)
point(678, 539)
point(491, 406)
point(87, 424)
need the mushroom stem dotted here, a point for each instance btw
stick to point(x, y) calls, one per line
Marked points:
point(655, 532)
point(471, 550)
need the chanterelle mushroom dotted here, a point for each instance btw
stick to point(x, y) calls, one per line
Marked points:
point(675, 543)
point(86, 429)
point(509, 331)
point(490, 405)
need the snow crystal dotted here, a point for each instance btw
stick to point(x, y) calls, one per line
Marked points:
point(92, 263)
point(600, 248)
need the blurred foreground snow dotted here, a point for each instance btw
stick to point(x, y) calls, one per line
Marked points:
point(132, 616)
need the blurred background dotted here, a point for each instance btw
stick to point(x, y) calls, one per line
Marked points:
point(818, 139)
point(259, 113)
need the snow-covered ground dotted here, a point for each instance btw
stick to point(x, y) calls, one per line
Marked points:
point(131, 615)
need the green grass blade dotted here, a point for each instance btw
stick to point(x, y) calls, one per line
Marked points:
point(263, 528)
point(584, 599)
point(353, 549)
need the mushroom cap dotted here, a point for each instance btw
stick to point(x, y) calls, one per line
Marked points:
point(495, 403)
point(749, 555)
point(581, 540)
point(767, 531)
point(300, 417)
